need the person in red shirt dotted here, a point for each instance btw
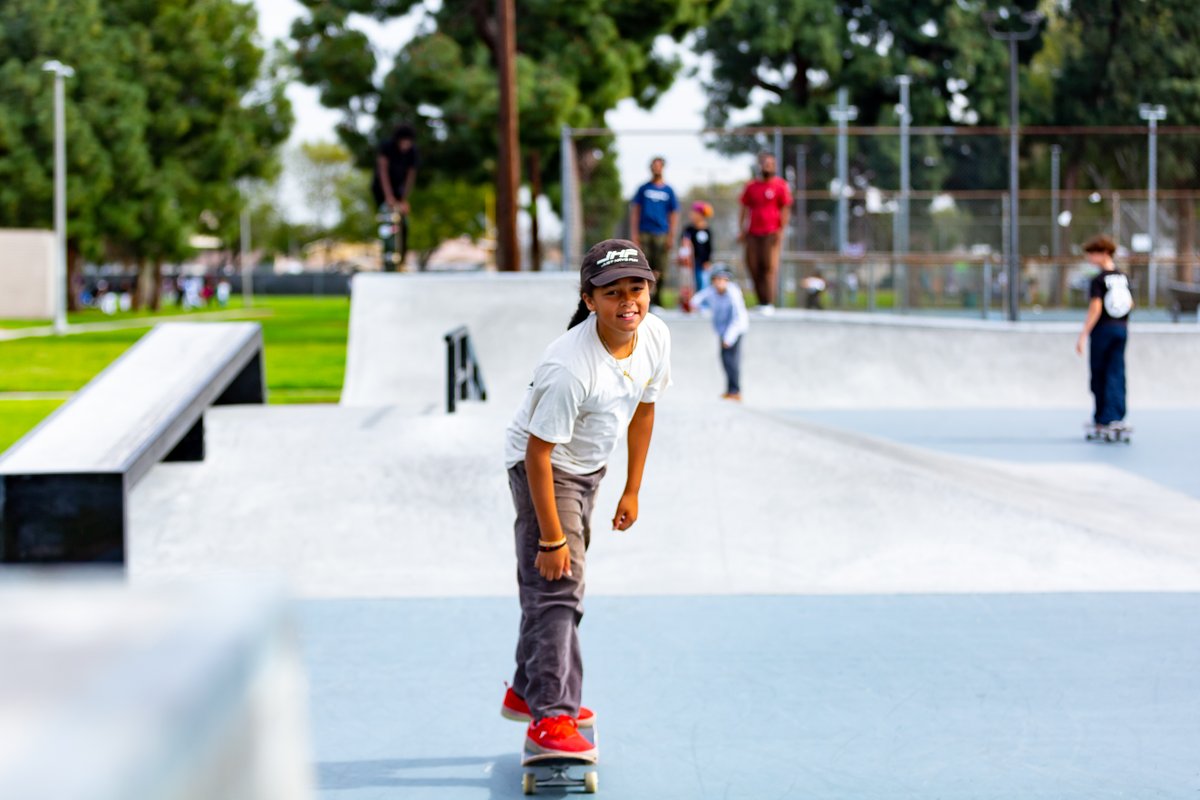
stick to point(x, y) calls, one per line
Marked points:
point(766, 203)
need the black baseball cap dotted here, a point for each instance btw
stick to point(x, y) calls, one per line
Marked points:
point(613, 259)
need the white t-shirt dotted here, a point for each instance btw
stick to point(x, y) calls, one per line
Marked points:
point(582, 401)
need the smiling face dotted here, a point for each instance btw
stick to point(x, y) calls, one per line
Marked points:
point(620, 307)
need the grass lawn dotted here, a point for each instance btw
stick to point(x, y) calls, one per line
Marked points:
point(305, 349)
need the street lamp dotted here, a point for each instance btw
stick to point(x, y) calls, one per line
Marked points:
point(1031, 19)
point(1153, 114)
point(60, 71)
point(843, 113)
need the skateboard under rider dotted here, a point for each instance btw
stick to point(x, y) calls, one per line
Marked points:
point(558, 771)
point(1107, 433)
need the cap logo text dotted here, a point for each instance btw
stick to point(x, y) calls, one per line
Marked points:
point(618, 256)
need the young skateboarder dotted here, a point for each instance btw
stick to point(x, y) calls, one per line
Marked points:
point(595, 381)
point(730, 320)
point(1105, 331)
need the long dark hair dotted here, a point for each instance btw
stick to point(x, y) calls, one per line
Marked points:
point(581, 311)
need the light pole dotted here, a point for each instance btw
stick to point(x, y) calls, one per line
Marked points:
point(843, 113)
point(60, 71)
point(901, 232)
point(1031, 20)
point(1152, 114)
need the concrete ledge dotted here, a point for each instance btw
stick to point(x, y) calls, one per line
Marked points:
point(110, 693)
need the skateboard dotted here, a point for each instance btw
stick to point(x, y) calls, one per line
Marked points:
point(1107, 433)
point(393, 231)
point(556, 771)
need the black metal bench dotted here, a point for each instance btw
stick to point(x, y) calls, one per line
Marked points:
point(64, 487)
point(1184, 297)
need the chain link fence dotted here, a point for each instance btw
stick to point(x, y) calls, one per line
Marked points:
point(953, 217)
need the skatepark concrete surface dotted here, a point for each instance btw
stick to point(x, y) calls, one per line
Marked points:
point(897, 570)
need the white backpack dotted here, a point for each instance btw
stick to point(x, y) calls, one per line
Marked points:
point(1118, 300)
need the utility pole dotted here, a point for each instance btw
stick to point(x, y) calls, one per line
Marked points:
point(843, 114)
point(801, 201)
point(61, 71)
point(1055, 249)
point(1031, 19)
point(1152, 114)
point(508, 176)
point(902, 225)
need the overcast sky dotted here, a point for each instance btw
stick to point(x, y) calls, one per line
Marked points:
point(681, 109)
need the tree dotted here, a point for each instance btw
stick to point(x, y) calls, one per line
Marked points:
point(793, 56)
point(217, 114)
point(576, 61)
point(108, 163)
point(170, 106)
point(1111, 57)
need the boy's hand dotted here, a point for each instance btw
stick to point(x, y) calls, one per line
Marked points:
point(627, 512)
point(555, 564)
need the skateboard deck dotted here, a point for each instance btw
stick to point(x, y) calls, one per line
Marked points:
point(1107, 433)
point(555, 771)
point(393, 232)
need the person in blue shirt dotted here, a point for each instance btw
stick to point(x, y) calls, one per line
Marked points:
point(729, 318)
point(653, 219)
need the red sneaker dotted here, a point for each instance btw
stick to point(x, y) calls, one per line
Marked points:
point(516, 709)
point(560, 736)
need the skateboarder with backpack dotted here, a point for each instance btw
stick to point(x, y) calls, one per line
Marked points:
point(1105, 333)
point(599, 379)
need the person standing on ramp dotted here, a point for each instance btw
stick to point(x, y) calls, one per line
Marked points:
point(599, 379)
point(1105, 332)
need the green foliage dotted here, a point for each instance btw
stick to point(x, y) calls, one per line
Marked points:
point(1111, 57)
point(170, 105)
point(445, 210)
point(793, 56)
point(576, 61)
point(108, 165)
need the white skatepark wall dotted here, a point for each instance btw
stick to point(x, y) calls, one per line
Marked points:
point(26, 274)
point(796, 359)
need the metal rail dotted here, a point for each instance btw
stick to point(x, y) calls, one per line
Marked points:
point(464, 381)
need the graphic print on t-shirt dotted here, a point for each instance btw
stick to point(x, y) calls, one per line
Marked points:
point(1118, 300)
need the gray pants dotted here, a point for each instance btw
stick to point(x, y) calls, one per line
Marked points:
point(549, 665)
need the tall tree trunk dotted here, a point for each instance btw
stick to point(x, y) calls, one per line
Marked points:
point(535, 191)
point(156, 286)
point(143, 284)
point(74, 278)
point(508, 168)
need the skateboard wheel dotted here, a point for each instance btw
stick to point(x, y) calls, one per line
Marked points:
point(591, 782)
point(529, 783)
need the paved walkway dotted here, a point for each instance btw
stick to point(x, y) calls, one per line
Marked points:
point(1062, 697)
point(974, 604)
point(41, 331)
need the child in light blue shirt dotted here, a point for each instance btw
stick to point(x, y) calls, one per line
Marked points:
point(724, 298)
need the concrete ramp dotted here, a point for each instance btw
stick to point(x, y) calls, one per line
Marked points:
point(396, 355)
point(373, 502)
point(795, 359)
point(799, 359)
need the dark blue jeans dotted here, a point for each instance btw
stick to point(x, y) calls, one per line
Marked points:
point(731, 360)
point(1106, 351)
